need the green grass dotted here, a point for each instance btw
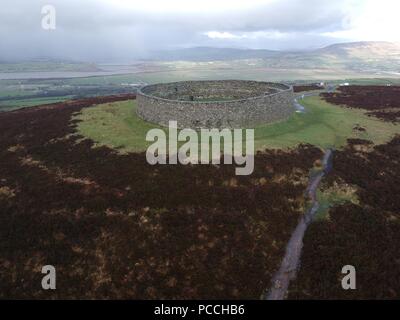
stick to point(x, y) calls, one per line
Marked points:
point(323, 125)
point(20, 103)
point(12, 93)
point(45, 67)
point(115, 125)
point(334, 197)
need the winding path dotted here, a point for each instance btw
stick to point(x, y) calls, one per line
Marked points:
point(291, 261)
point(299, 107)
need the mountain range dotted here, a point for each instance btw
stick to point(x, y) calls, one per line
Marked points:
point(358, 56)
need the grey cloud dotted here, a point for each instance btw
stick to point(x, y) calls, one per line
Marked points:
point(97, 30)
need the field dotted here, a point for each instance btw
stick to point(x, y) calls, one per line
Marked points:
point(46, 66)
point(363, 233)
point(22, 103)
point(116, 227)
point(115, 125)
point(76, 192)
point(56, 81)
point(359, 218)
point(323, 125)
point(381, 102)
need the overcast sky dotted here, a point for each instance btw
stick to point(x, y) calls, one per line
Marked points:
point(121, 30)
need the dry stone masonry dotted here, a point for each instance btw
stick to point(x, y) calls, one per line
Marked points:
point(215, 104)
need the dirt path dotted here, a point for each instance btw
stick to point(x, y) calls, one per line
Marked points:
point(291, 261)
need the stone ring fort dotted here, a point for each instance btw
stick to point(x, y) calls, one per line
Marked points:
point(215, 104)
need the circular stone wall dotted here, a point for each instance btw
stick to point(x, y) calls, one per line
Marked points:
point(215, 104)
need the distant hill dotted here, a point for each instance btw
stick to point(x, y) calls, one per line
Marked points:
point(363, 50)
point(357, 56)
point(365, 56)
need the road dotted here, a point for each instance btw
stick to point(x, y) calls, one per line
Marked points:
point(297, 104)
point(291, 261)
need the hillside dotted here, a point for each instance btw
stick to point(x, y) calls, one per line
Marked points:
point(356, 56)
point(363, 55)
point(377, 49)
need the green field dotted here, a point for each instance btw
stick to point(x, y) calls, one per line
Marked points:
point(18, 93)
point(46, 67)
point(21, 103)
point(115, 125)
point(323, 125)
point(215, 73)
point(334, 196)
